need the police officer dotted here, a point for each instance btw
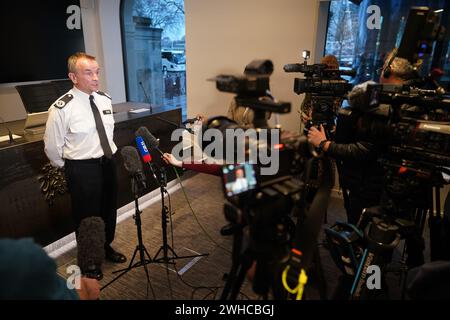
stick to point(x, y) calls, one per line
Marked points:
point(79, 137)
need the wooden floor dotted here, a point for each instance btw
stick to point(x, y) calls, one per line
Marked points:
point(205, 277)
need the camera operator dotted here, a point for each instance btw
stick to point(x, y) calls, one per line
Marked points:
point(361, 175)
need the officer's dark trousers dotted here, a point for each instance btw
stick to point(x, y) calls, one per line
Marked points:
point(93, 187)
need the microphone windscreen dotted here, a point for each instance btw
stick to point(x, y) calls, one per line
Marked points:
point(131, 160)
point(149, 139)
point(91, 243)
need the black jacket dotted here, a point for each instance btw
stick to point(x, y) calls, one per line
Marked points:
point(359, 170)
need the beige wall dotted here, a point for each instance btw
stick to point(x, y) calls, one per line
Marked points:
point(11, 106)
point(223, 36)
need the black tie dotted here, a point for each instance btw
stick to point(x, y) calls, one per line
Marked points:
point(100, 129)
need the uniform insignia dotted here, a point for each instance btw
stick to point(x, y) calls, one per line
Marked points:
point(104, 94)
point(107, 112)
point(61, 103)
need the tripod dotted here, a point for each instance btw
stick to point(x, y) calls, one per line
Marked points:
point(166, 248)
point(260, 241)
point(137, 185)
point(401, 215)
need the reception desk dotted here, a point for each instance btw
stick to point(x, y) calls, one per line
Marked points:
point(24, 209)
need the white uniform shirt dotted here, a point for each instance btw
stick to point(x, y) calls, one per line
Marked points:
point(70, 131)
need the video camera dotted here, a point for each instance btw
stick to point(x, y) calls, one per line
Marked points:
point(411, 123)
point(252, 90)
point(421, 31)
point(319, 78)
point(411, 129)
point(259, 203)
point(326, 89)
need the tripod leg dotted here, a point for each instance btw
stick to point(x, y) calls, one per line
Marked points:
point(131, 261)
point(122, 271)
point(320, 275)
point(235, 263)
point(242, 271)
point(157, 253)
point(148, 255)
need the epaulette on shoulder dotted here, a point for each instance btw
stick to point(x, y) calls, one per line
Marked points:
point(61, 102)
point(104, 94)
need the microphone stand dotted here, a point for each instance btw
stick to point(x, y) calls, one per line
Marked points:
point(146, 97)
point(166, 248)
point(10, 135)
point(178, 126)
point(137, 186)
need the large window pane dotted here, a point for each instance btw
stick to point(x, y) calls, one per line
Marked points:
point(154, 51)
point(356, 46)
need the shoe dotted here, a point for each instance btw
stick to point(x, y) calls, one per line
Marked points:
point(114, 256)
point(227, 230)
point(93, 273)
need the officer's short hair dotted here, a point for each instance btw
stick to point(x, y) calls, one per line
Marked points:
point(72, 61)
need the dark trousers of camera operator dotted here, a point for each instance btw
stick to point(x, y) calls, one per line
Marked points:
point(93, 188)
point(356, 202)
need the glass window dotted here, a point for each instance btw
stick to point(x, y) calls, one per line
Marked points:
point(359, 47)
point(153, 33)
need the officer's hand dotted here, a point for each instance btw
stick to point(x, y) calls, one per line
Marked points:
point(315, 136)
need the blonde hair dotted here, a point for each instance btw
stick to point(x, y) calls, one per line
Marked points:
point(73, 59)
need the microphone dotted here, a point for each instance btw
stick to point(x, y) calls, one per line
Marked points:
point(149, 139)
point(145, 155)
point(146, 96)
point(133, 164)
point(180, 126)
point(91, 245)
point(11, 138)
